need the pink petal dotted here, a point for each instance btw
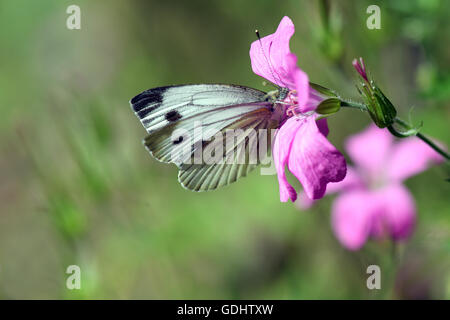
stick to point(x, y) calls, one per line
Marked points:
point(396, 214)
point(303, 202)
point(313, 159)
point(369, 149)
point(352, 181)
point(351, 218)
point(268, 56)
point(322, 124)
point(281, 150)
point(358, 214)
point(301, 82)
point(302, 87)
point(409, 157)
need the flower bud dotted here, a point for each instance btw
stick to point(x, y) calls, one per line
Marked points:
point(380, 109)
point(329, 106)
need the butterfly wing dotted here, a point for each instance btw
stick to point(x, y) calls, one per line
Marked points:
point(173, 115)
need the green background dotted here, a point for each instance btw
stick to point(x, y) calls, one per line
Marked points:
point(77, 186)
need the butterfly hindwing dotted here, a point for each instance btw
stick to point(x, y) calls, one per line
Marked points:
point(238, 160)
point(166, 111)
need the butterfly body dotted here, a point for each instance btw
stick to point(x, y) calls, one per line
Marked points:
point(174, 115)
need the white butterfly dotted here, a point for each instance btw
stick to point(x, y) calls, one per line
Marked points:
point(170, 115)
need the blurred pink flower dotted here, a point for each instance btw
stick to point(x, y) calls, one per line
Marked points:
point(301, 142)
point(373, 201)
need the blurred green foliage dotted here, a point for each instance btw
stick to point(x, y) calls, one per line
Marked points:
point(77, 186)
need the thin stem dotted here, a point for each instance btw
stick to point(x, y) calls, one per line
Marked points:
point(433, 145)
point(425, 139)
point(404, 124)
point(354, 105)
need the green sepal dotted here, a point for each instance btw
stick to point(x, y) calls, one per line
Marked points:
point(386, 110)
point(323, 90)
point(380, 109)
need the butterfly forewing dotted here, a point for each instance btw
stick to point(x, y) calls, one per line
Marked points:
point(217, 109)
point(160, 106)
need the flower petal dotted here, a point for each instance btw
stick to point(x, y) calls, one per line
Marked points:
point(409, 157)
point(313, 159)
point(358, 214)
point(370, 148)
point(351, 218)
point(322, 124)
point(268, 56)
point(281, 150)
point(301, 82)
point(352, 181)
point(396, 214)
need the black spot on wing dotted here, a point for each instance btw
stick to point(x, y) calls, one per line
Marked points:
point(179, 140)
point(173, 116)
point(152, 96)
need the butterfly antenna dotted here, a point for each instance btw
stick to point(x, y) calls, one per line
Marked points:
point(271, 68)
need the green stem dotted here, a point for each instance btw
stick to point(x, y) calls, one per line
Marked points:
point(404, 124)
point(354, 105)
point(425, 139)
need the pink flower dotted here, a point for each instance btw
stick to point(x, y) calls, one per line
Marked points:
point(301, 142)
point(373, 201)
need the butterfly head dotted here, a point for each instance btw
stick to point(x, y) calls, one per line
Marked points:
point(282, 93)
point(278, 95)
